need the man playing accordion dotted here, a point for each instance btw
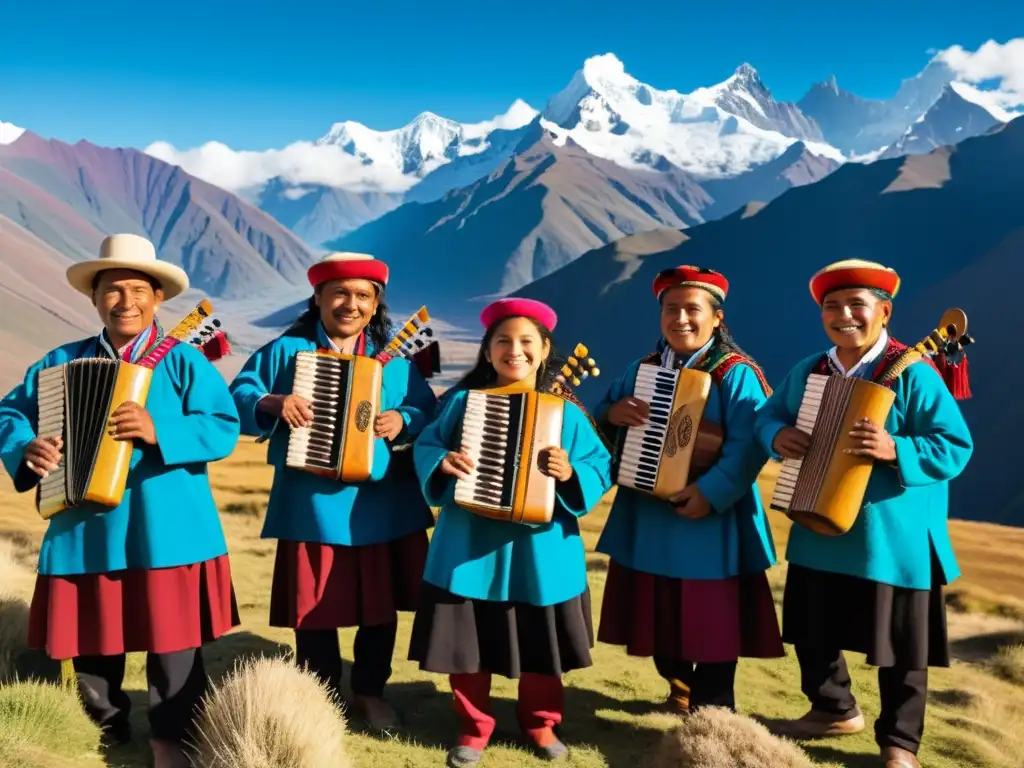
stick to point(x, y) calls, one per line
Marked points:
point(877, 588)
point(151, 573)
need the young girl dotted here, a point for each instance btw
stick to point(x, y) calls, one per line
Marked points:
point(877, 589)
point(686, 583)
point(500, 597)
point(348, 554)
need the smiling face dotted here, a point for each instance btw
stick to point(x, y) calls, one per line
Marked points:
point(854, 317)
point(516, 350)
point(688, 319)
point(346, 306)
point(126, 302)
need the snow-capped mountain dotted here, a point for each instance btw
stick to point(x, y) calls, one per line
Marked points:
point(961, 112)
point(426, 143)
point(707, 133)
point(9, 133)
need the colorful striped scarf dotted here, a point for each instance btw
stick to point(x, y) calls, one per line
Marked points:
point(137, 348)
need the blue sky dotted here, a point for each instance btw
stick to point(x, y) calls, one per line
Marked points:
point(262, 74)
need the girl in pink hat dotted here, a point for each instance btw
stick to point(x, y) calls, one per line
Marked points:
point(501, 597)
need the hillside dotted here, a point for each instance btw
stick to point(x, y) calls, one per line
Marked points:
point(921, 215)
point(71, 196)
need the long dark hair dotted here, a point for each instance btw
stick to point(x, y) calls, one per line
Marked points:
point(722, 335)
point(482, 374)
point(378, 330)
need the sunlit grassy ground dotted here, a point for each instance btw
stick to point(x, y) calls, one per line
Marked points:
point(975, 717)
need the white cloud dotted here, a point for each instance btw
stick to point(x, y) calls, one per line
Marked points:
point(992, 61)
point(302, 161)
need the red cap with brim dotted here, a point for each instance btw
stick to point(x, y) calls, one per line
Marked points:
point(853, 273)
point(348, 266)
point(694, 277)
point(505, 308)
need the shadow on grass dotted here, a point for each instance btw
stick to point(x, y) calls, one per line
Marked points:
point(981, 648)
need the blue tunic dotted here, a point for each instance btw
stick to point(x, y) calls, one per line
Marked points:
point(906, 505)
point(484, 559)
point(167, 516)
point(647, 534)
point(305, 507)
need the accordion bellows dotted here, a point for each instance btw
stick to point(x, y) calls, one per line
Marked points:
point(76, 400)
point(824, 490)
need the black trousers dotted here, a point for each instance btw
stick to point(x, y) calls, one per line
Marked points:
point(371, 664)
point(825, 681)
point(711, 685)
point(176, 681)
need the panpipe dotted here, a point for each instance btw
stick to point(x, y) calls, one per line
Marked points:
point(824, 491)
point(76, 400)
point(344, 393)
point(503, 431)
point(676, 444)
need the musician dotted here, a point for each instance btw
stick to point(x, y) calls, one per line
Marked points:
point(686, 579)
point(876, 589)
point(501, 597)
point(348, 554)
point(152, 574)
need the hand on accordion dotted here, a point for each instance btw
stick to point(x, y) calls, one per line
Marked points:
point(132, 422)
point(628, 412)
point(691, 503)
point(388, 424)
point(42, 455)
point(554, 462)
point(291, 409)
point(872, 440)
point(458, 464)
point(791, 443)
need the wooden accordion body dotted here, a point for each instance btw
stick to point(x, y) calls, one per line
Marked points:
point(503, 431)
point(344, 392)
point(76, 400)
point(824, 490)
point(677, 444)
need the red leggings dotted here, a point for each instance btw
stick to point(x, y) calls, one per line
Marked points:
point(539, 708)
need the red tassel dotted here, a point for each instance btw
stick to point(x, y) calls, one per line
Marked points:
point(955, 376)
point(217, 347)
point(428, 361)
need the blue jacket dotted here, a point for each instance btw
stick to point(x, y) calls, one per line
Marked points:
point(906, 506)
point(305, 507)
point(167, 516)
point(647, 534)
point(484, 559)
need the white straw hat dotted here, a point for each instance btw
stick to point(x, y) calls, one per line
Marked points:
point(128, 252)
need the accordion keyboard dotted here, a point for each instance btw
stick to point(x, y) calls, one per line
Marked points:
point(490, 437)
point(806, 418)
point(642, 447)
point(322, 381)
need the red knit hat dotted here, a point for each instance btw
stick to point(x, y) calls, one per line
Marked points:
point(696, 277)
point(348, 266)
point(535, 310)
point(853, 273)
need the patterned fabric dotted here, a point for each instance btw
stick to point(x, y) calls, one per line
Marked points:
point(826, 366)
point(134, 350)
point(714, 359)
point(325, 342)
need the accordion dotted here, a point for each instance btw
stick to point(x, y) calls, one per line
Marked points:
point(344, 393)
point(676, 444)
point(76, 400)
point(503, 432)
point(825, 489)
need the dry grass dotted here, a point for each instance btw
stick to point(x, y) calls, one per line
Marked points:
point(716, 738)
point(43, 726)
point(270, 714)
point(1008, 663)
point(973, 716)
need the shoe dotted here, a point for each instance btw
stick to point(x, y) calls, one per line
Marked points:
point(675, 705)
point(546, 744)
point(116, 735)
point(167, 754)
point(816, 725)
point(462, 757)
point(895, 757)
point(376, 711)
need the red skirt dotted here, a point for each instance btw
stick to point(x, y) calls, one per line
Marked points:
point(161, 610)
point(326, 586)
point(695, 620)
